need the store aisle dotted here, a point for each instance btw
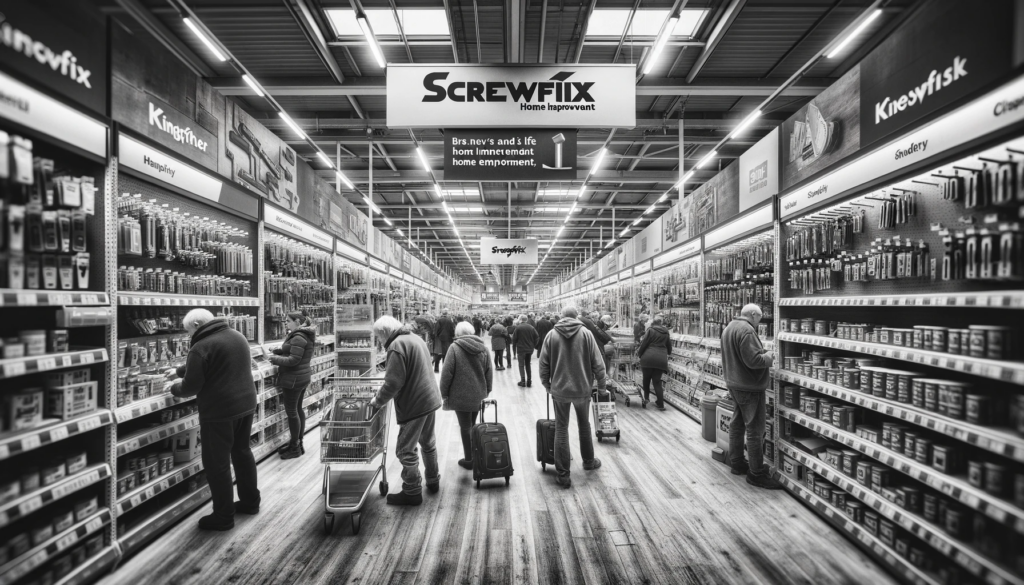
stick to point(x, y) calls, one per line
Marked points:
point(660, 510)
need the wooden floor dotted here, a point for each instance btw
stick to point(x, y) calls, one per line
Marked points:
point(660, 510)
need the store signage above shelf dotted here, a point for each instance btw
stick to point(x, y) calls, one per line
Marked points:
point(23, 105)
point(517, 297)
point(508, 251)
point(759, 171)
point(154, 164)
point(350, 252)
point(685, 251)
point(510, 155)
point(753, 221)
point(378, 265)
point(997, 109)
point(285, 223)
point(496, 96)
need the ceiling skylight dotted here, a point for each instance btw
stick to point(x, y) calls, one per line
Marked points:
point(415, 22)
point(610, 22)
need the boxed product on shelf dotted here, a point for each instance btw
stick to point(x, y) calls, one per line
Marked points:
point(67, 377)
point(187, 445)
point(73, 400)
point(22, 409)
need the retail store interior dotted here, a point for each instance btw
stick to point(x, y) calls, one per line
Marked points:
point(694, 220)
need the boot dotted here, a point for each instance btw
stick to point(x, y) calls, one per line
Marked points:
point(404, 499)
point(211, 522)
point(291, 453)
point(466, 463)
point(247, 508)
point(764, 481)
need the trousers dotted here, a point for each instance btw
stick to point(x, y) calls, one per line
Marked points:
point(524, 366)
point(497, 358)
point(466, 422)
point(654, 375)
point(296, 414)
point(562, 455)
point(226, 445)
point(749, 420)
point(418, 432)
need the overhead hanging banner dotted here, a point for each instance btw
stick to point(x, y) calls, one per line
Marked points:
point(500, 96)
point(510, 155)
point(506, 251)
point(759, 171)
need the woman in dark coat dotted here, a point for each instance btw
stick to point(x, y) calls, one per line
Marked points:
point(466, 379)
point(498, 335)
point(293, 376)
point(654, 351)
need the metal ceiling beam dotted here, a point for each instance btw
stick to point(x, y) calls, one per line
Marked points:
point(451, 30)
point(168, 39)
point(583, 30)
point(728, 17)
point(543, 30)
point(304, 17)
point(625, 29)
point(377, 86)
point(476, 24)
point(695, 120)
point(401, 31)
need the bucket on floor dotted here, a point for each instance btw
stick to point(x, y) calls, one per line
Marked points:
point(724, 412)
point(708, 410)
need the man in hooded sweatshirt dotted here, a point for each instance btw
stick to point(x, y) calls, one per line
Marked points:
point(543, 327)
point(409, 381)
point(746, 365)
point(570, 361)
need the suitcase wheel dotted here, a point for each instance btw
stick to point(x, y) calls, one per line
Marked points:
point(328, 523)
point(507, 480)
point(627, 401)
point(543, 466)
point(478, 484)
point(356, 522)
point(616, 438)
point(598, 435)
point(383, 488)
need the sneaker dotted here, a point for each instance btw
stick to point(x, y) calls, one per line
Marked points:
point(211, 522)
point(564, 482)
point(247, 509)
point(521, 384)
point(592, 465)
point(465, 463)
point(661, 408)
point(764, 481)
point(434, 487)
point(291, 453)
point(404, 499)
point(740, 469)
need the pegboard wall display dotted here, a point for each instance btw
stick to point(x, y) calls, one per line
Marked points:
point(168, 243)
point(297, 277)
point(677, 296)
point(738, 274)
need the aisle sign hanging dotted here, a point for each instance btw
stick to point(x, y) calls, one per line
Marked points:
point(508, 251)
point(498, 96)
point(510, 155)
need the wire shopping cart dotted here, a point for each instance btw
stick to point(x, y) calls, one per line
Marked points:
point(352, 435)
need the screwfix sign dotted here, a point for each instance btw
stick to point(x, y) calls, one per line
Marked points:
point(504, 251)
point(495, 96)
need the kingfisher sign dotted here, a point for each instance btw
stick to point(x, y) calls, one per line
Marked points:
point(503, 251)
point(496, 96)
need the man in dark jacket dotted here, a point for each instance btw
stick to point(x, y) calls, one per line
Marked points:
point(478, 329)
point(570, 361)
point(444, 332)
point(653, 352)
point(639, 328)
point(510, 330)
point(524, 339)
point(218, 373)
point(544, 326)
point(408, 380)
point(746, 366)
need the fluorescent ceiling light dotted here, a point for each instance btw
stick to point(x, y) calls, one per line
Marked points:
point(437, 189)
point(345, 180)
point(206, 41)
point(573, 208)
point(610, 244)
point(659, 44)
point(423, 157)
point(649, 209)
point(623, 233)
point(400, 232)
point(252, 85)
point(707, 158)
point(597, 161)
point(291, 124)
point(444, 206)
point(386, 220)
point(560, 231)
point(371, 40)
point(686, 177)
point(324, 158)
point(860, 28)
point(415, 21)
point(745, 123)
point(611, 22)
point(663, 197)
point(638, 220)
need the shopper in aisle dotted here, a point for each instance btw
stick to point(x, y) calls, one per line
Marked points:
point(639, 328)
point(524, 339)
point(478, 328)
point(444, 333)
point(498, 344)
point(746, 365)
point(531, 320)
point(408, 380)
point(466, 379)
point(543, 327)
point(510, 347)
point(653, 353)
point(218, 373)
point(293, 376)
point(570, 361)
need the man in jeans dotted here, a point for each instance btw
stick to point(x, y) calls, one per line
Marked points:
point(408, 380)
point(570, 361)
point(746, 364)
point(524, 338)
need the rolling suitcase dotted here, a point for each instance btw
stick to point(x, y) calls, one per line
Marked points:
point(546, 439)
point(491, 455)
point(606, 419)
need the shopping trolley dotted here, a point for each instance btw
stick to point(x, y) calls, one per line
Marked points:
point(352, 435)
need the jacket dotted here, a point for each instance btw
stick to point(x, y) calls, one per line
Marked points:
point(570, 361)
point(543, 327)
point(655, 348)
point(510, 330)
point(293, 357)
point(599, 334)
point(638, 331)
point(497, 336)
point(409, 377)
point(525, 338)
point(743, 357)
point(444, 333)
point(466, 377)
point(218, 372)
point(478, 326)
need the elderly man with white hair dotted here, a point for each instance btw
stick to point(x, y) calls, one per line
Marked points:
point(218, 373)
point(746, 364)
point(410, 382)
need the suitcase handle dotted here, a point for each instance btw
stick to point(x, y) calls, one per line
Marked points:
point(483, 408)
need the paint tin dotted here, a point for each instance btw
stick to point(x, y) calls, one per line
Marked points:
point(978, 408)
point(878, 381)
point(951, 398)
point(825, 410)
point(947, 458)
point(851, 378)
point(956, 522)
point(953, 341)
point(978, 341)
point(923, 450)
point(884, 335)
point(855, 510)
point(931, 395)
point(911, 499)
point(839, 498)
point(864, 473)
point(879, 477)
point(976, 474)
point(850, 460)
point(938, 339)
point(930, 508)
point(996, 478)
point(866, 378)
point(887, 434)
point(886, 532)
point(807, 325)
point(910, 443)
point(834, 457)
point(902, 546)
point(871, 522)
point(821, 327)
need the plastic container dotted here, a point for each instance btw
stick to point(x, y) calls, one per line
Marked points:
point(724, 411)
point(708, 410)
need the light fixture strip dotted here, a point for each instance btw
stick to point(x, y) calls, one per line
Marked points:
point(206, 40)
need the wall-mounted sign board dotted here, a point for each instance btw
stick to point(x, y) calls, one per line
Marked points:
point(35, 110)
point(281, 221)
